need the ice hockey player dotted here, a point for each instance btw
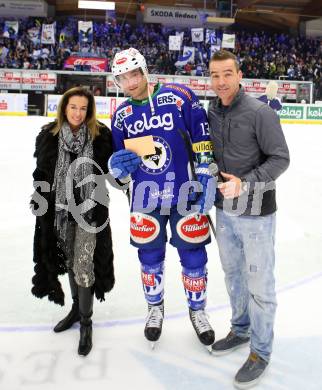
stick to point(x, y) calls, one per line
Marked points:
point(270, 96)
point(159, 186)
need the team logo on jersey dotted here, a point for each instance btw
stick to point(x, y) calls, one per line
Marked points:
point(196, 104)
point(193, 228)
point(169, 98)
point(160, 161)
point(143, 228)
point(121, 115)
point(164, 122)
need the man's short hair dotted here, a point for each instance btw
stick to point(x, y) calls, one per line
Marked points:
point(222, 55)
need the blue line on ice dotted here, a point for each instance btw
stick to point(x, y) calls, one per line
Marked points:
point(132, 321)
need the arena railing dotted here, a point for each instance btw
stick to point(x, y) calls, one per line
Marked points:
point(57, 81)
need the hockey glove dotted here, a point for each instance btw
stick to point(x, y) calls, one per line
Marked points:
point(123, 163)
point(206, 176)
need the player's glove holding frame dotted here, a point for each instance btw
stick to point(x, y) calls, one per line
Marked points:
point(123, 163)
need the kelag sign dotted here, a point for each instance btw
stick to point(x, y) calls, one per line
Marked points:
point(292, 112)
point(301, 113)
point(314, 112)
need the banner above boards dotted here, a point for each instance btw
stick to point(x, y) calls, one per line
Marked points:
point(25, 80)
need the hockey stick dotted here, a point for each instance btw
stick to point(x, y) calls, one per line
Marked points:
point(188, 145)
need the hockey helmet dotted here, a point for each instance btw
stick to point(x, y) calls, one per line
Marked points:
point(127, 60)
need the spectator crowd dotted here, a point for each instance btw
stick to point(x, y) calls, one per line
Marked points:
point(262, 55)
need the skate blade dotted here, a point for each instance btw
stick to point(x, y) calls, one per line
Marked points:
point(209, 348)
point(152, 345)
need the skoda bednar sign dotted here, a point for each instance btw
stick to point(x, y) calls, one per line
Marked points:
point(175, 16)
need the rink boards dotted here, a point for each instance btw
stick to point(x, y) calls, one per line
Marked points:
point(17, 105)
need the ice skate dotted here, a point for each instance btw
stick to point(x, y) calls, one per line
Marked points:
point(154, 321)
point(202, 327)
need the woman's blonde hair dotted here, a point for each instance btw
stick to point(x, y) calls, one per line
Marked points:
point(90, 120)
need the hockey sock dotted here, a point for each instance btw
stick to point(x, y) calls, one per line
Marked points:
point(195, 286)
point(153, 282)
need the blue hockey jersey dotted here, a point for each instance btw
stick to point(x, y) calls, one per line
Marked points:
point(162, 179)
point(275, 104)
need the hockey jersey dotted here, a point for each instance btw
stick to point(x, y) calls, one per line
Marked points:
point(162, 178)
point(275, 104)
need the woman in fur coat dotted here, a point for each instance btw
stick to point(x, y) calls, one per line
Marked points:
point(72, 232)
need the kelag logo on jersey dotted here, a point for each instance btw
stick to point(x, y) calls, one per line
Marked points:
point(169, 98)
point(121, 115)
point(160, 161)
point(164, 122)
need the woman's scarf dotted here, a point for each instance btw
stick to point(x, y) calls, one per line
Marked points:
point(68, 176)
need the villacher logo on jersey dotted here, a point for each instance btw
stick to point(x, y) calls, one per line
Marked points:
point(193, 228)
point(143, 228)
point(164, 121)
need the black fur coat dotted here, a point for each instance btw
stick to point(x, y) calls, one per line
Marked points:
point(49, 259)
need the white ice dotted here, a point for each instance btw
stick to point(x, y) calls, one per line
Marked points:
point(33, 357)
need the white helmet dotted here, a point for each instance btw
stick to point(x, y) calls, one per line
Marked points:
point(127, 60)
point(271, 89)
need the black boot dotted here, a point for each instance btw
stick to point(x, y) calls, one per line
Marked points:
point(86, 298)
point(73, 316)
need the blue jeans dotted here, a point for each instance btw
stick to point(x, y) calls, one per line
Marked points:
point(246, 249)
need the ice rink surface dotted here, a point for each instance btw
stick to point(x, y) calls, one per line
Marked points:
point(33, 357)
